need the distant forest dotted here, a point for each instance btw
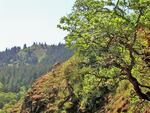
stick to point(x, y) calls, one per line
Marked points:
point(20, 67)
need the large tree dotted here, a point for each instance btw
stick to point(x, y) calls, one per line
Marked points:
point(113, 35)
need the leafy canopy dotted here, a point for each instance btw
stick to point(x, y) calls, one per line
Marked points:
point(113, 35)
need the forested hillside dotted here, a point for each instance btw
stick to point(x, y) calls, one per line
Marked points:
point(110, 69)
point(20, 67)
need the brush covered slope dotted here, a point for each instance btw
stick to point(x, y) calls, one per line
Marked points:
point(69, 88)
point(49, 93)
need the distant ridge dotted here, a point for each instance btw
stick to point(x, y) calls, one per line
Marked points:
point(20, 67)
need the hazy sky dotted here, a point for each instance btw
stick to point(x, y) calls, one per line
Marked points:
point(28, 21)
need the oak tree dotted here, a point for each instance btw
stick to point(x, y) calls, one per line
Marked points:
point(108, 33)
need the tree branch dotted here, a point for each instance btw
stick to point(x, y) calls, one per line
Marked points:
point(148, 87)
point(117, 7)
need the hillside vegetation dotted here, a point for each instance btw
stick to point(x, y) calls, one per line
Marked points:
point(68, 88)
point(20, 67)
point(110, 69)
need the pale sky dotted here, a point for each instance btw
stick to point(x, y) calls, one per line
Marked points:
point(28, 21)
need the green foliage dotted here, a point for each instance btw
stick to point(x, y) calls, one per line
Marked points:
point(107, 34)
point(86, 87)
point(8, 99)
point(112, 39)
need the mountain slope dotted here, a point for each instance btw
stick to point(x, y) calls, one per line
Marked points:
point(58, 90)
point(47, 94)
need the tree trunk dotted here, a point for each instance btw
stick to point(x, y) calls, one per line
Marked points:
point(136, 86)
